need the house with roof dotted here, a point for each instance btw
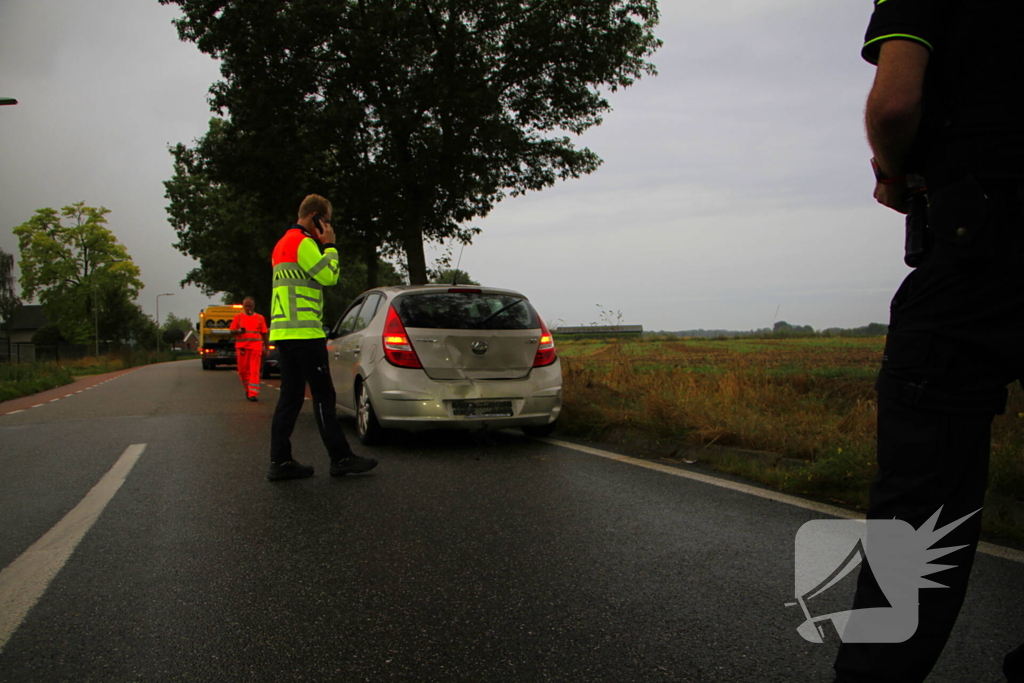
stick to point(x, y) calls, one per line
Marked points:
point(24, 323)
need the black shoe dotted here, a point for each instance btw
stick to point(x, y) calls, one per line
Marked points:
point(288, 470)
point(251, 398)
point(354, 464)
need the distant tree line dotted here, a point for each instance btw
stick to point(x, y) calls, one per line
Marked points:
point(783, 330)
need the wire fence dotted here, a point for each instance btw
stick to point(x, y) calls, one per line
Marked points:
point(27, 352)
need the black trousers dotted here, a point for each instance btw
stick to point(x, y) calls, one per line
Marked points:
point(956, 340)
point(304, 361)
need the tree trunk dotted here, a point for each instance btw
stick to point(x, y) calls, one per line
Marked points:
point(415, 258)
point(372, 261)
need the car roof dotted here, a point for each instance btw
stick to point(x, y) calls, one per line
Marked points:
point(395, 290)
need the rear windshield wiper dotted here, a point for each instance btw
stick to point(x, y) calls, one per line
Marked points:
point(498, 312)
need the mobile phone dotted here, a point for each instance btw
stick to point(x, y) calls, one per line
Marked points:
point(316, 222)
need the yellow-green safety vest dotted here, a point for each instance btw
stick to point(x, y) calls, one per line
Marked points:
point(301, 272)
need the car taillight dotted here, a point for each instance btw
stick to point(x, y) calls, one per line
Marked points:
point(397, 348)
point(546, 354)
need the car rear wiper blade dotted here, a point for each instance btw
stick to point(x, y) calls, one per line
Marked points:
point(498, 312)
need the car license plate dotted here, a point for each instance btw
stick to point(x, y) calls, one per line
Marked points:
point(482, 408)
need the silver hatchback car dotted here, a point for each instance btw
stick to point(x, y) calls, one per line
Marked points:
point(420, 357)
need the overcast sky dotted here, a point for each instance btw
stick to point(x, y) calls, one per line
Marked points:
point(735, 189)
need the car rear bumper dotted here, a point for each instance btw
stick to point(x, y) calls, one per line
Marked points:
point(430, 404)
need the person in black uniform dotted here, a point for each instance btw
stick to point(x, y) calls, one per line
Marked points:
point(943, 115)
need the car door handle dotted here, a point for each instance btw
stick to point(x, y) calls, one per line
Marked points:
point(356, 350)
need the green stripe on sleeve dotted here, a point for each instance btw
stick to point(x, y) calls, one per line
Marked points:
point(905, 36)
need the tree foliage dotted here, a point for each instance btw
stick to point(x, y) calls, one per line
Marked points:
point(413, 116)
point(783, 329)
point(453, 275)
point(173, 322)
point(172, 336)
point(174, 329)
point(48, 335)
point(232, 234)
point(9, 301)
point(72, 262)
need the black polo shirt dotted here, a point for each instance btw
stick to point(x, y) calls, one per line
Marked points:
point(973, 121)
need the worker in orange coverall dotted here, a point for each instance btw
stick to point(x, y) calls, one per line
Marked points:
point(251, 343)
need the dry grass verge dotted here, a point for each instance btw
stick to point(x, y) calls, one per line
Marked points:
point(810, 401)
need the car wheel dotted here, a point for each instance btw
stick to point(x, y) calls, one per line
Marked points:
point(265, 371)
point(539, 430)
point(206, 366)
point(367, 427)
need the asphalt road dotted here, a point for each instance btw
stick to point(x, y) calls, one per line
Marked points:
point(458, 559)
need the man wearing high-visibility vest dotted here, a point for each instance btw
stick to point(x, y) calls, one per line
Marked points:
point(305, 261)
point(250, 331)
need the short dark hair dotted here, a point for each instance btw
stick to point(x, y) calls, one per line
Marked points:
point(314, 203)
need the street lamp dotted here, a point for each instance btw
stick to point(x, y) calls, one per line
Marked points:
point(158, 317)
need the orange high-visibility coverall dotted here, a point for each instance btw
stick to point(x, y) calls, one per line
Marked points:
point(249, 350)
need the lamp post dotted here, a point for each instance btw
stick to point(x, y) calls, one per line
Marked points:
point(158, 317)
point(96, 303)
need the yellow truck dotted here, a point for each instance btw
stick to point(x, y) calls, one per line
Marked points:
point(216, 345)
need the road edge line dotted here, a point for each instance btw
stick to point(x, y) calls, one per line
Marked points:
point(983, 547)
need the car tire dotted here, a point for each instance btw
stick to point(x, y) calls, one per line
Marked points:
point(206, 366)
point(265, 371)
point(539, 430)
point(368, 429)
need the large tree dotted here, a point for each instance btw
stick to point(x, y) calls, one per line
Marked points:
point(9, 301)
point(231, 231)
point(414, 116)
point(81, 274)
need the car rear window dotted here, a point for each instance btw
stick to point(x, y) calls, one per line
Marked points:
point(466, 311)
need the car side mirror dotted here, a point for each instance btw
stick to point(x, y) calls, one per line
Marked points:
point(333, 335)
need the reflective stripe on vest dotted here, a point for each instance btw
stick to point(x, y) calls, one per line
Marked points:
point(244, 334)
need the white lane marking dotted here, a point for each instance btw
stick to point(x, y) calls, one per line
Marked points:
point(984, 547)
point(25, 580)
point(53, 399)
point(15, 411)
point(39, 405)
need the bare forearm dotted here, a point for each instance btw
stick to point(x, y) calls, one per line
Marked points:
point(893, 114)
point(890, 135)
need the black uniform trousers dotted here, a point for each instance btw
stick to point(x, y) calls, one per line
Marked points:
point(956, 340)
point(304, 361)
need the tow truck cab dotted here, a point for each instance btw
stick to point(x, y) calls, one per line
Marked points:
point(216, 345)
